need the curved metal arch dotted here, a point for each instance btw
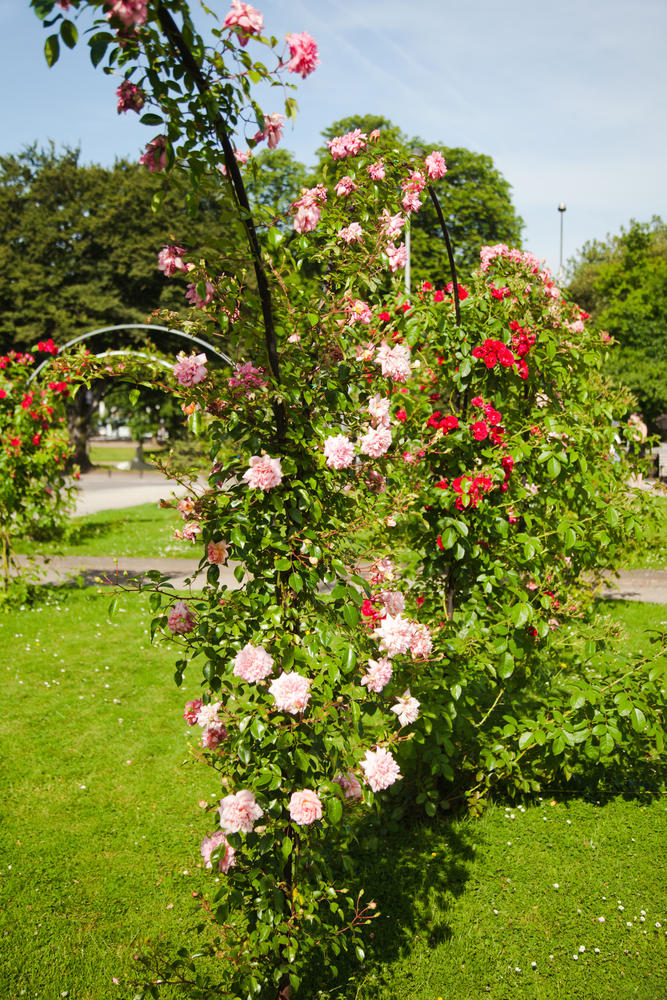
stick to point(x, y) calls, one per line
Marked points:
point(131, 326)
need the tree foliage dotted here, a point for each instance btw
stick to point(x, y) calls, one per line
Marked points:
point(622, 283)
point(81, 243)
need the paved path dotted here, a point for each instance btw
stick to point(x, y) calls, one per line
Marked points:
point(114, 489)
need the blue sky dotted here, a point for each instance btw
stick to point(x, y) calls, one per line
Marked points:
point(568, 98)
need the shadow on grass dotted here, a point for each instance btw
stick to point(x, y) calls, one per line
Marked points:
point(414, 873)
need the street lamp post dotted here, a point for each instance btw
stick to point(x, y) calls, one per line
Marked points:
point(561, 208)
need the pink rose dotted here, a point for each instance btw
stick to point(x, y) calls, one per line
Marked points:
point(338, 451)
point(155, 154)
point(349, 784)
point(195, 299)
point(380, 769)
point(435, 165)
point(239, 812)
point(303, 52)
point(394, 362)
point(397, 256)
point(253, 664)
point(352, 233)
point(247, 19)
point(191, 712)
point(378, 674)
point(406, 708)
point(345, 187)
point(215, 842)
point(358, 311)
point(217, 552)
point(130, 97)
point(305, 807)
point(170, 261)
point(264, 473)
point(130, 12)
point(291, 692)
point(376, 442)
point(376, 171)
point(180, 619)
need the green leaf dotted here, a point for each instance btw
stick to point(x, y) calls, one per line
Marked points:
point(520, 614)
point(553, 467)
point(286, 848)
point(505, 666)
point(295, 582)
point(69, 34)
point(150, 118)
point(334, 809)
point(351, 615)
point(638, 720)
point(52, 50)
point(283, 565)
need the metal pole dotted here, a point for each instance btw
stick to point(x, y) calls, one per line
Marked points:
point(407, 263)
point(561, 208)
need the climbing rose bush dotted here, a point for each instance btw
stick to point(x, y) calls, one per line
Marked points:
point(413, 489)
point(36, 486)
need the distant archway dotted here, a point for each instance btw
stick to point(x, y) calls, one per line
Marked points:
point(79, 423)
point(131, 326)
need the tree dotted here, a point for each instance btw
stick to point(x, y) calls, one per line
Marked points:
point(81, 244)
point(622, 283)
point(475, 199)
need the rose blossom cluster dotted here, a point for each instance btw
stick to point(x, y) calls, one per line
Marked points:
point(264, 473)
point(412, 187)
point(352, 233)
point(253, 664)
point(380, 769)
point(180, 619)
point(338, 451)
point(435, 165)
point(272, 131)
point(247, 19)
point(239, 812)
point(358, 311)
point(303, 52)
point(216, 553)
point(214, 731)
point(130, 12)
point(394, 361)
point(345, 187)
point(391, 226)
point(170, 260)
point(130, 97)
point(213, 842)
point(155, 154)
point(396, 255)
point(305, 807)
point(396, 635)
point(308, 208)
point(342, 146)
point(190, 370)
point(247, 377)
point(291, 692)
point(198, 301)
point(406, 708)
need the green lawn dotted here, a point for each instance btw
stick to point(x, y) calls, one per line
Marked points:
point(145, 530)
point(101, 830)
point(108, 454)
point(651, 552)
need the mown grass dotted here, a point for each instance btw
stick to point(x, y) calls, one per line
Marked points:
point(101, 831)
point(651, 551)
point(142, 531)
point(109, 454)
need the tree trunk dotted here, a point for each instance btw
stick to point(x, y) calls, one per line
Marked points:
point(79, 413)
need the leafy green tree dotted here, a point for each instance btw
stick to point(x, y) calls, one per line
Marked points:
point(81, 244)
point(475, 199)
point(622, 283)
